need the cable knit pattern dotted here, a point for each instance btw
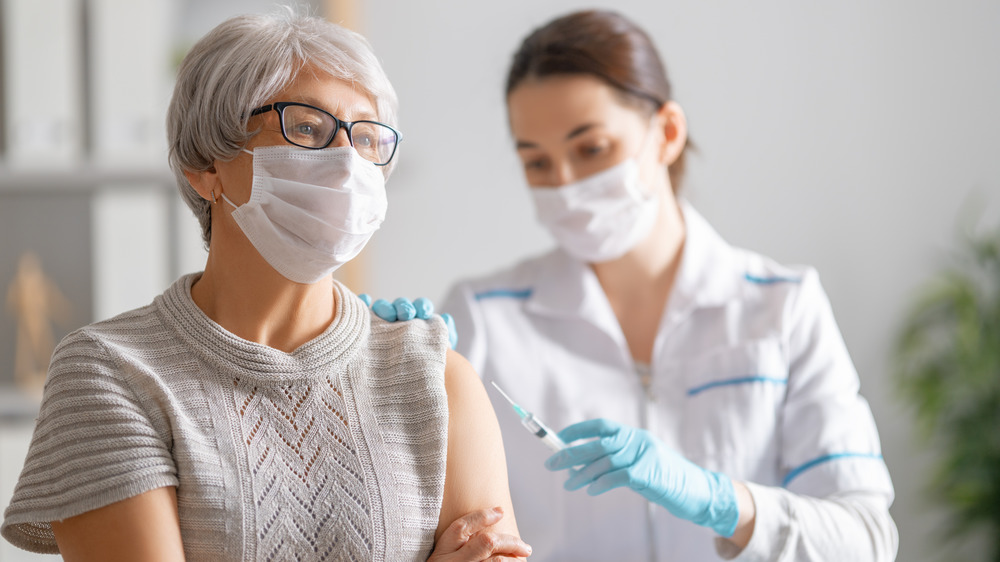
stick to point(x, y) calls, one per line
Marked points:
point(335, 451)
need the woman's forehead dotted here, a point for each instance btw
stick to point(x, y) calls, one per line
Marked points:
point(556, 106)
point(344, 99)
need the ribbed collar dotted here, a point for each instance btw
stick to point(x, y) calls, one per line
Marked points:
point(331, 351)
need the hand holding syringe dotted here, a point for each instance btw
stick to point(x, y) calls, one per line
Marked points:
point(535, 425)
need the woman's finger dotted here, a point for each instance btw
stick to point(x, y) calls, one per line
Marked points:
point(582, 454)
point(384, 310)
point(462, 529)
point(424, 308)
point(486, 544)
point(580, 478)
point(405, 310)
point(611, 480)
point(590, 428)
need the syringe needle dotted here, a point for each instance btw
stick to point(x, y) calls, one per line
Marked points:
point(494, 383)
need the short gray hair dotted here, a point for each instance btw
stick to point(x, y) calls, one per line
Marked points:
point(242, 63)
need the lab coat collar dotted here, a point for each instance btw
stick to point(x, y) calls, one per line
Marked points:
point(708, 275)
point(710, 271)
point(565, 286)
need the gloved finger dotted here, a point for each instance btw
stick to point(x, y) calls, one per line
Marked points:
point(583, 454)
point(404, 309)
point(366, 298)
point(424, 308)
point(452, 332)
point(591, 428)
point(384, 310)
point(587, 474)
point(486, 544)
point(610, 481)
point(463, 528)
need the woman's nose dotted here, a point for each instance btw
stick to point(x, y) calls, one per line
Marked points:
point(562, 174)
point(341, 138)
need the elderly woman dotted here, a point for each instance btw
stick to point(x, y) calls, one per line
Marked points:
point(257, 411)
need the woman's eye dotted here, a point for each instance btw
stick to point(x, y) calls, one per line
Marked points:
point(536, 164)
point(593, 149)
point(304, 132)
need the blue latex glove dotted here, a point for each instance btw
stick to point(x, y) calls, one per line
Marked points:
point(626, 456)
point(402, 309)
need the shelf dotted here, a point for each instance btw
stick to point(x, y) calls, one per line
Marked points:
point(82, 178)
point(16, 406)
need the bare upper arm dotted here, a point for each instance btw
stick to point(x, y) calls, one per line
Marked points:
point(476, 476)
point(143, 527)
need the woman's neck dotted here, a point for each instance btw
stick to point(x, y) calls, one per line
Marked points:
point(652, 262)
point(247, 297)
point(638, 284)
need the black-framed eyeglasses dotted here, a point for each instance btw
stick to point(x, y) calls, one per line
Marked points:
point(311, 127)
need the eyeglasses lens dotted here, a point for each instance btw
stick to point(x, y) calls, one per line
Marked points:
point(310, 128)
point(307, 127)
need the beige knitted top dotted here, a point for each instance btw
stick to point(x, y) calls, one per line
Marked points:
point(335, 451)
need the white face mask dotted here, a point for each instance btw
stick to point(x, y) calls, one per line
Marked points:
point(311, 211)
point(601, 217)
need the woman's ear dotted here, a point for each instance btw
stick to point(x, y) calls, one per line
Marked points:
point(205, 182)
point(671, 117)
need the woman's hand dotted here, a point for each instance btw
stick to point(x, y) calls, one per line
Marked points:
point(468, 539)
point(620, 455)
point(403, 309)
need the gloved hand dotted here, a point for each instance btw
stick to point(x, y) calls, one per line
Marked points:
point(626, 456)
point(403, 309)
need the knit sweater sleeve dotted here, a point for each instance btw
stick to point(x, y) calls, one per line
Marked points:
point(95, 443)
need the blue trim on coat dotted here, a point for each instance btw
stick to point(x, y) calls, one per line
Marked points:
point(508, 293)
point(770, 280)
point(795, 472)
point(738, 380)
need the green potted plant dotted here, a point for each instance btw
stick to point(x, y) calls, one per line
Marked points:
point(948, 363)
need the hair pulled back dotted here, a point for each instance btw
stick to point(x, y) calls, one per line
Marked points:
point(603, 44)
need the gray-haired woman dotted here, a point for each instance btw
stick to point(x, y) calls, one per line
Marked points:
point(257, 410)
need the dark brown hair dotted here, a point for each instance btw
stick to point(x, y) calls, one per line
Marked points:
point(603, 44)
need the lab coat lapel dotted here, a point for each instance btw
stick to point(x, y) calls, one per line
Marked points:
point(709, 273)
point(568, 288)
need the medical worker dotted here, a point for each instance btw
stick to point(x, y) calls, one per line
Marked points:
point(709, 400)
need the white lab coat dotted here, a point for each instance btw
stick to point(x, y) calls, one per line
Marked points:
point(749, 376)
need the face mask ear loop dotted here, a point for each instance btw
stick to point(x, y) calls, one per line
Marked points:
point(214, 201)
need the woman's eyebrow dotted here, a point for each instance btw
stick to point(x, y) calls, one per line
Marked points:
point(338, 111)
point(574, 133)
point(582, 129)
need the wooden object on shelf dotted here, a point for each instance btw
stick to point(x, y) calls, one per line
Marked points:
point(344, 12)
point(35, 301)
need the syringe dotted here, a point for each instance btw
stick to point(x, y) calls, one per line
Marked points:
point(534, 425)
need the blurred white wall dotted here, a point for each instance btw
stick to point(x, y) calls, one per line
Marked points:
point(843, 135)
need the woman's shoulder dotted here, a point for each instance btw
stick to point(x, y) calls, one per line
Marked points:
point(762, 271)
point(513, 280)
point(132, 331)
point(127, 332)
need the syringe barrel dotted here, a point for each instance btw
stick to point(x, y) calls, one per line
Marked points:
point(542, 431)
